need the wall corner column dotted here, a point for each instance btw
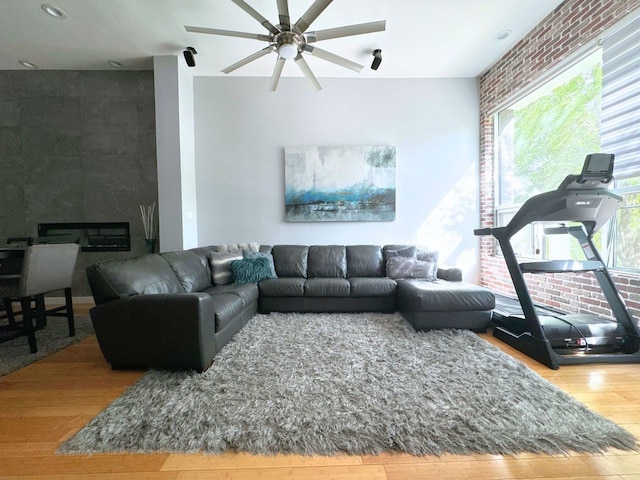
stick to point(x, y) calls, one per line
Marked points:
point(175, 145)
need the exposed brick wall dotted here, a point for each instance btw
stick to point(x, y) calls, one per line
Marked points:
point(571, 25)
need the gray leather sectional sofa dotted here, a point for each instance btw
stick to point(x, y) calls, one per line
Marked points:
point(176, 310)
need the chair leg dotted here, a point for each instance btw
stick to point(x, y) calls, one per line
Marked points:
point(10, 316)
point(69, 303)
point(41, 314)
point(27, 320)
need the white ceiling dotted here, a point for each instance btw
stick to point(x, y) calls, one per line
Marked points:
point(423, 38)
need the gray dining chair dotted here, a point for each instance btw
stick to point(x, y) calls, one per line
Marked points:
point(45, 269)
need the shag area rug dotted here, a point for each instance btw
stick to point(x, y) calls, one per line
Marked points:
point(322, 384)
point(15, 354)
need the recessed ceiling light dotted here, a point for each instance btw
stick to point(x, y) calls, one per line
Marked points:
point(115, 64)
point(54, 11)
point(503, 34)
point(27, 64)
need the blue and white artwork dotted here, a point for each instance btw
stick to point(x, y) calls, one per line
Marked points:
point(340, 184)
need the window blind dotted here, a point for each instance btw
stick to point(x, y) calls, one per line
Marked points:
point(620, 118)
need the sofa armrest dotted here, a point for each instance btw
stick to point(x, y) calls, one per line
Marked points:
point(452, 274)
point(172, 331)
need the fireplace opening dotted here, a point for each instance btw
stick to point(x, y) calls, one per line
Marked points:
point(92, 236)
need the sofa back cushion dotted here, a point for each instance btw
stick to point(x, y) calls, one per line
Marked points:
point(191, 269)
point(290, 260)
point(365, 261)
point(327, 261)
point(113, 279)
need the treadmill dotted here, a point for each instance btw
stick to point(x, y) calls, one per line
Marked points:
point(551, 337)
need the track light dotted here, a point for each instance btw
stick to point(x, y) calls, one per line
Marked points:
point(189, 56)
point(377, 59)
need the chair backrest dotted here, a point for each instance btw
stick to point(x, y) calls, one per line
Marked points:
point(47, 268)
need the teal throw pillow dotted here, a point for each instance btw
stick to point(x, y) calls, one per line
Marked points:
point(250, 254)
point(251, 270)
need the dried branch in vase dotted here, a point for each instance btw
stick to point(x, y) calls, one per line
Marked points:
point(147, 212)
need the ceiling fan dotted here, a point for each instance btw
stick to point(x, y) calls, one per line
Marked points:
point(290, 41)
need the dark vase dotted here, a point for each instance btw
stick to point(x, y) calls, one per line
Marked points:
point(151, 244)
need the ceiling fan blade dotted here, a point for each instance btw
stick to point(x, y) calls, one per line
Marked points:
point(283, 14)
point(304, 68)
point(333, 58)
point(346, 31)
point(250, 58)
point(277, 71)
point(228, 33)
point(311, 14)
point(251, 11)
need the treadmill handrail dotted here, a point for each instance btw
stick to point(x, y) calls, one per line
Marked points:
point(560, 266)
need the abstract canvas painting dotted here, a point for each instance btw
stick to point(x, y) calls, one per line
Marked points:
point(340, 184)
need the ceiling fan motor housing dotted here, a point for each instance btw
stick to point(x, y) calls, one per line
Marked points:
point(289, 44)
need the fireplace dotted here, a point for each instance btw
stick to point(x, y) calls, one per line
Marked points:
point(92, 236)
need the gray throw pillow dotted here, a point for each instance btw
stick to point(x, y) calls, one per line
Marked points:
point(408, 252)
point(221, 266)
point(427, 255)
point(402, 267)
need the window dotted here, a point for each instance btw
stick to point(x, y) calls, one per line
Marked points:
point(592, 106)
point(543, 138)
point(621, 135)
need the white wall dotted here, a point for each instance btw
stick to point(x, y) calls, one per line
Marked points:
point(241, 131)
point(177, 221)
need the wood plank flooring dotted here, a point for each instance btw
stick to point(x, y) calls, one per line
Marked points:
point(46, 402)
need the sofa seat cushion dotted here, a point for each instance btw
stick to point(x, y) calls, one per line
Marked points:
point(248, 292)
point(372, 286)
point(282, 287)
point(227, 308)
point(327, 287)
point(442, 296)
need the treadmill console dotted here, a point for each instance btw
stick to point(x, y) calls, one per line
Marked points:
point(597, 172)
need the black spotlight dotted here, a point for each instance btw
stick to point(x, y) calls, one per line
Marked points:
point(189, 56)
point(377, 59)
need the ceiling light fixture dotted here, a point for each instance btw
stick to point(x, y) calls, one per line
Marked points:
point(115, 64)
point(27, 64)
point(503, 34)
point(287, 44)
point(54, 11)
point(287, 51)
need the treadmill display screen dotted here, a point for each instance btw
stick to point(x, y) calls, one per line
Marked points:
point(598, 163)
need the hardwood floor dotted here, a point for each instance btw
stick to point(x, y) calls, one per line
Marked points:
point(46, 402)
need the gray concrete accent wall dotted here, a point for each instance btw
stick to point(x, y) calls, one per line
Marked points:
point(77, 146)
